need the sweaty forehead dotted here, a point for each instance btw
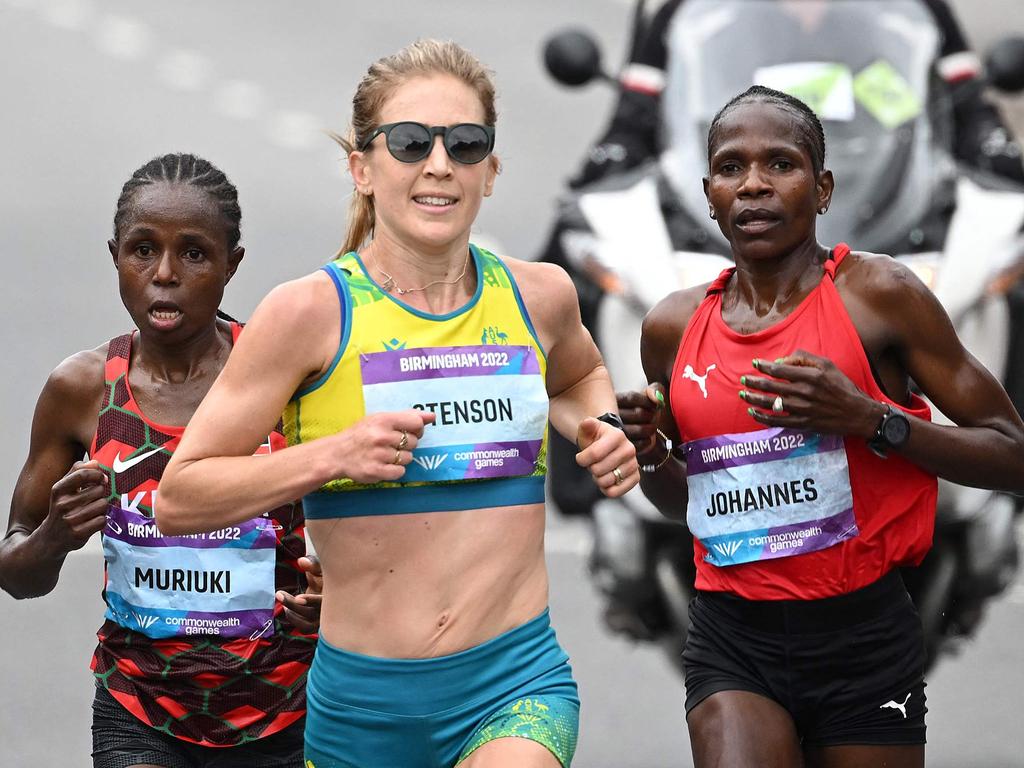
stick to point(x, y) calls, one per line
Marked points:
point(755, 124)
point(164, 203)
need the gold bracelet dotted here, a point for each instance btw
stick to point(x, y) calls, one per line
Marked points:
point(649, 469)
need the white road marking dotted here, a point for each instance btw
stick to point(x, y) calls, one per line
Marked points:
point(69, 14)
point(294, 129)
point(240, 99)
point(122, 38)
point(184, 70)
point(126, 38)
point(567, 538)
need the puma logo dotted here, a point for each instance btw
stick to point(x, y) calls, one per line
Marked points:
point(701, 381)
point(901, 707)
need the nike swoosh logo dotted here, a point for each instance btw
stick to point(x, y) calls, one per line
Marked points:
point(124, 466)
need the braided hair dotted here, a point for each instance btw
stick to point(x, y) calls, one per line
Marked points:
point(811, 134)
point(181, 168)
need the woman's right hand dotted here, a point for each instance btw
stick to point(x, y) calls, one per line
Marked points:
point(379, 447)
point(641, 414)
point(78, 507)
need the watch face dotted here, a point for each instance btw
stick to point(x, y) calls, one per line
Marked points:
point(612, 419)
point(896, 429)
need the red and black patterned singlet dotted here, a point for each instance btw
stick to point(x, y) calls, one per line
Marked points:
point(203, 688)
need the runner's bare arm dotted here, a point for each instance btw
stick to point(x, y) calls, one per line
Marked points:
point(213, 480)
point(59, 502)
point(986, 449)
point(659, 341)
point(578, 383)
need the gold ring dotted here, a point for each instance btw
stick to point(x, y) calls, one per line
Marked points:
point(618, 475)
point(777, 405)
point(404, 441)
point(398, 457)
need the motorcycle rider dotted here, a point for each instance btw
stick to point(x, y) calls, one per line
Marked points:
point(981, 137)
point(803, 644)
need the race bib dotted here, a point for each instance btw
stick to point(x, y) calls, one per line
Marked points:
point(767, 494)
point(490, 404)
point(218, 583)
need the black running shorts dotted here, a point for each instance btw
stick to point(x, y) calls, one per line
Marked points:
point(120, 740)
point(849, 669)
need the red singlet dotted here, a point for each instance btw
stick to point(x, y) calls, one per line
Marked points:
point(782, 514)
point(206, 678)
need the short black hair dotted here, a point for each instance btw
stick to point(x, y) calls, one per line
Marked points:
point(812, 134)
point(183, 168)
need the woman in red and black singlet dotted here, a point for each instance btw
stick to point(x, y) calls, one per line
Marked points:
point(207, 639)
point(804, 465)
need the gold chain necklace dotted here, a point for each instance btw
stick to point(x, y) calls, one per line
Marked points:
point(389, 283)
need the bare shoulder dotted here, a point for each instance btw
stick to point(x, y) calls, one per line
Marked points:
point(670, 316)
point(70, 400)
point(539, 281)
point(79, 377)
point(301, 300)
point(296, 328)
point(876, 277)
point(663, 330)
point(549, 295)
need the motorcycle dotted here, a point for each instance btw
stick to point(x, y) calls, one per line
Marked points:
point(866, 67)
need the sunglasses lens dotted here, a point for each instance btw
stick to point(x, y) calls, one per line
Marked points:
point(409, 142)
point(468, 143)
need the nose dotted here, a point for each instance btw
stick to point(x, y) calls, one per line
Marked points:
point(754, 182)
point(165, 273)
point(438, 163)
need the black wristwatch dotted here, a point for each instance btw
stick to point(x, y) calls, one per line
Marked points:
point(611, 418)
point(893, 431)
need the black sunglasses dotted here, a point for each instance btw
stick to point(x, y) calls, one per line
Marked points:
point(410, 142)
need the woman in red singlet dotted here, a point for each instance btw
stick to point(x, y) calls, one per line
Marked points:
point(203, 654)
point(806, 467)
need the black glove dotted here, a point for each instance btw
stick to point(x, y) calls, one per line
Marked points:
point(609, 157)
point(983, 140)
point(631, 139)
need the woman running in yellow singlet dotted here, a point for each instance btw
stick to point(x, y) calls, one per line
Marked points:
point(417, 373)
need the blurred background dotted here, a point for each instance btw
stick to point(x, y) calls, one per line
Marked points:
point(94, 88)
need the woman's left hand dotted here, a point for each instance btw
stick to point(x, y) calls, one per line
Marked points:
point(303, 611)
point(607, 453)
point(815, 396)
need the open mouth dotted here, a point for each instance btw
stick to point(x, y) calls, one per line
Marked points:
point(435, 201)
point(164, 314)
point(755, 220)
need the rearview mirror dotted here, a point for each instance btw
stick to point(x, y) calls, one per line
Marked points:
point(573, 57)
point(1004, 65)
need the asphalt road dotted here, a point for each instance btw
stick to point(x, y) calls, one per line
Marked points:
point(91, 90)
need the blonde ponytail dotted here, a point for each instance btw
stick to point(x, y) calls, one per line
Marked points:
point(360, 209)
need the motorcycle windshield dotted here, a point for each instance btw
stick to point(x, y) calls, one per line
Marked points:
point(864, 66)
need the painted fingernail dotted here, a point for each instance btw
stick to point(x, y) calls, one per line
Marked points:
point(660, 397)
point(743, 394)
point(743, 380)
point(750, 411)
point(756, 362)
